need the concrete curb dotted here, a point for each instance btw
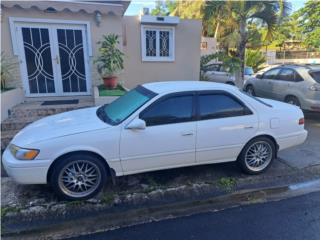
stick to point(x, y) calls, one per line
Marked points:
point(89, 222)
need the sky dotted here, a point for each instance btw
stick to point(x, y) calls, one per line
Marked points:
point(136, 5)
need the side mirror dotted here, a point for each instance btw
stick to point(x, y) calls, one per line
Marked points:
point(259, 76)
point(136, 124)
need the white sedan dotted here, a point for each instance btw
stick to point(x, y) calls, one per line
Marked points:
point(154, 126)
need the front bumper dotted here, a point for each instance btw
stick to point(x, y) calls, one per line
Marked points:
point(25, 171)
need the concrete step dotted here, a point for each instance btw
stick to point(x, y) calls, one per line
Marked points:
point(28, 112)
point(14, 123)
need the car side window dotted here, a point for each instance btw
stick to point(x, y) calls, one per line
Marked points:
point(286, 75)
point(297, 77)
point(175, 109)
point(219, 105)
point(271, 74)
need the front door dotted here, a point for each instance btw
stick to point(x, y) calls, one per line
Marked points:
point(54, 60)
point(167, 141)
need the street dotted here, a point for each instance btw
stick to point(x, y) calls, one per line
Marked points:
point(294, 218)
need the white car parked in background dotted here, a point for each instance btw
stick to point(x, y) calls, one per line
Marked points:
point(154, 126)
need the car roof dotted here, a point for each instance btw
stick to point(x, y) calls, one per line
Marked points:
point(182, 86)
point(302, 66)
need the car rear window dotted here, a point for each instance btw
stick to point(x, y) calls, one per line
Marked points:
point(315, 75)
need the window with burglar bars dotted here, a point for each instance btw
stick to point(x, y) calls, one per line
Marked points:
point(157, 43)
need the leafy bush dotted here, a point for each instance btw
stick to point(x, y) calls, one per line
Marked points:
point(6, 65)
point(110, 60)
point(255, 59)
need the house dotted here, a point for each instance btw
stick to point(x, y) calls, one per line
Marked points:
point(55, 42)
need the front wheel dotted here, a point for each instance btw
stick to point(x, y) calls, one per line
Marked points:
point(78, 177)
point(257, 155)
point(250, 90)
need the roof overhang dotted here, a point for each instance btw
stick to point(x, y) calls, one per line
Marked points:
point(104, 7)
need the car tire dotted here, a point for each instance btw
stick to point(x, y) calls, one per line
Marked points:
point(293, 100)
point(257, 155)
point(250, 90)
point(78, 177)
point(230, 83)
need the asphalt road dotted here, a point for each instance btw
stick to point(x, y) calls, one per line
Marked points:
point(294, 218)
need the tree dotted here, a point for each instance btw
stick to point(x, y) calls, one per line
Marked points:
point(164, 8)
point(309, 22)
point(243, 13)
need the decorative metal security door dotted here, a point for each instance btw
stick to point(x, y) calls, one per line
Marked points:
point(38, 60)
point(54, 60)
point(72, 67)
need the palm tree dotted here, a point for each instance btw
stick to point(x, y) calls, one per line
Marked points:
point(241, 13)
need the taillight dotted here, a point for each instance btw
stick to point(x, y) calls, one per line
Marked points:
point(315, 87)
point(301, 121)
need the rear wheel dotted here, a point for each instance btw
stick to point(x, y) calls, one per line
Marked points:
point(78, 177)
point(292, 100)
point(257, 155)
point(250, 90)
point(230, 83)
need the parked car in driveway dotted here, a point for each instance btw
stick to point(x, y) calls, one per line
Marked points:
point(216, 72)
point(295, 84)
point(154, 126)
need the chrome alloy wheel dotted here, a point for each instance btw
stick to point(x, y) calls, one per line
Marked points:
point(79, 178)
point(258, 156)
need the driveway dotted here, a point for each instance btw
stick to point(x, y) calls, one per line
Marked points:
point(307, 154)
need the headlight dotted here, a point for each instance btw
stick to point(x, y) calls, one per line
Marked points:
point(23, 153)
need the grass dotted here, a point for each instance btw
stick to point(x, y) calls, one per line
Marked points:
point(118, 91)
point(227, 184)
point(108, 198)
point(5, 210)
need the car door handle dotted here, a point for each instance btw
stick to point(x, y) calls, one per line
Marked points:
point(187, 133)
point(247, 127)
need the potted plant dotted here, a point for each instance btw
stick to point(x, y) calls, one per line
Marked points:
point(110, 60)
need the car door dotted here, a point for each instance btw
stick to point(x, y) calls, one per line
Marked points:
point(225, 124)
point(218, 74)
point(265, 86)
point(286, 82)
point(168, 139)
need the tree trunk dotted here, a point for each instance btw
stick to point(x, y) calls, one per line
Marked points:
point(217, 30)
point(241, 48)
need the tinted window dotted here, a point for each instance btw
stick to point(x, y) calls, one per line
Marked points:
point(248, 71)
point(286, 75)
point(171, 110)
point(315, 75)
point(220, 106)
point(212, 67)
point(271, 74)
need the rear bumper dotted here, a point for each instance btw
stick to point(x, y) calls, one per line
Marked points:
point(311, 105)
point(292, 140)
point(25, 172)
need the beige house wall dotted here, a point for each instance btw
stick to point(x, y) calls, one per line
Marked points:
point(187, 41)
point(110, 23)
point(187, 55)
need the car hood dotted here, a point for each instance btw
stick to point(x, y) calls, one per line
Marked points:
point(59, 125)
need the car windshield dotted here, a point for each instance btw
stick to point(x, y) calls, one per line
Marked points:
point(248, 71)
point(315, 75)
point(121, 108)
